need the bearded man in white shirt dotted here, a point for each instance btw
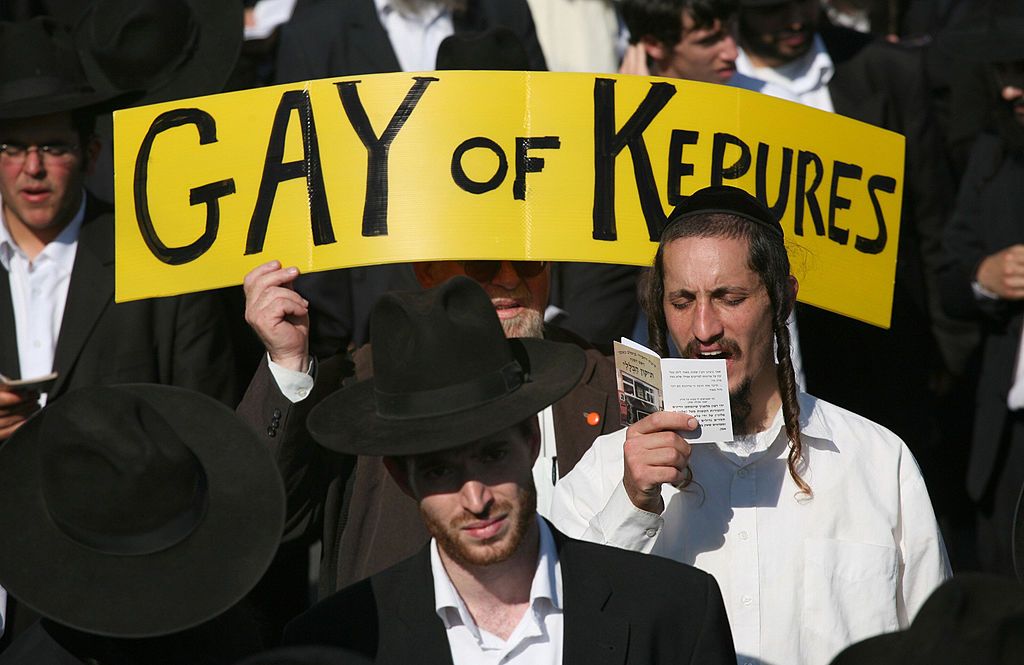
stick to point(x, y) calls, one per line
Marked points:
point(815, 521)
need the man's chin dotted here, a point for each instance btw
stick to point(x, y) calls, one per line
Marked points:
point(529, 323)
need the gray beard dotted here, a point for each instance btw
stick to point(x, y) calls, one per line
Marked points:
point(528, 324)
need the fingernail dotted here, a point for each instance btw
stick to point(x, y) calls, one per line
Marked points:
point(692, 423)
point(293, 271)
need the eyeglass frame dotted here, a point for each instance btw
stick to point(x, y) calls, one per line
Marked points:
point(485, 273)
point(46, 151)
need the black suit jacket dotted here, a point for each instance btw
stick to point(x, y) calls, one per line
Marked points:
point(366, 522)
point(180, 340)
point(620, 607)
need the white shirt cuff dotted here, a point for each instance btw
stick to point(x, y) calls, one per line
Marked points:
point(981, 293)
point(626, 526)
point(293, 385)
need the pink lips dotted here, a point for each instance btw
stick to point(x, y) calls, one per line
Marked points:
point(506, 308)
point(484, 529)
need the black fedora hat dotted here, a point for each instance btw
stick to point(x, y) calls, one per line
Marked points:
point(136, 510)
point(40, 72)
point(972, 618)
point(162, 49)
point(444, 375)
point(497, 49)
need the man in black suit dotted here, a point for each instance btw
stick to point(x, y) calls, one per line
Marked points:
point(790, 43)
point(57, 312)
point(452, 408)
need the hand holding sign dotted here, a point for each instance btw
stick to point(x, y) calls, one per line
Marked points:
point(278, 314)
point(654, 454)
point(1002, 273)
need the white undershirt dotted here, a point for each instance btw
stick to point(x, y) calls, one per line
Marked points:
point(415, 37)
point(537, 639)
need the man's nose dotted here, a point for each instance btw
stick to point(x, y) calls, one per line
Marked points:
point(506, 277)
point(707, 324)
point(1012, 92)
point(33, 162)
point(476, 497)
point(729, 51)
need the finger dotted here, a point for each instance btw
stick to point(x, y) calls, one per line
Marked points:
point(9, 398)
point(281, 277)
point(663, 421)
point(284, 306)
point(662, 456)
point(260, 270)
point(270, 303)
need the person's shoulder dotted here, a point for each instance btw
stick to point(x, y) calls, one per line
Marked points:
point(845, 44)
point(660, 581)
point(319, 15)
point(822, 419)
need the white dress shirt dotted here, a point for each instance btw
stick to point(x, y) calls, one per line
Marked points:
point(39, 291)
point(415, 36)
point(802, 577)
point(538, 636)
point(807, 77)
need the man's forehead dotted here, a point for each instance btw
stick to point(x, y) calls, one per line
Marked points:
point(709, 261)
point(510, 435)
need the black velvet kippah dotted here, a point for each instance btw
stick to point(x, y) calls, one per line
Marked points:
point(726, 200)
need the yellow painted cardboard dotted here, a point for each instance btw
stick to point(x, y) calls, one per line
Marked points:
point(190, 172)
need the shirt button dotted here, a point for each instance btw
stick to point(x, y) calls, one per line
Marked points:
point(744, 535)
point(742, 473)
point(301, 392)
point(747, 600)
point(651, 533)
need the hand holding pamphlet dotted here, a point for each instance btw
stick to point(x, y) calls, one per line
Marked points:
point(649, 383)
point(39, 384)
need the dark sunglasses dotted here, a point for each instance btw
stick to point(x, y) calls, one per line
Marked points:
point(484, 271)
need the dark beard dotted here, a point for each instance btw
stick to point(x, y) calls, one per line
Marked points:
point(522, 518)
point(739, 401)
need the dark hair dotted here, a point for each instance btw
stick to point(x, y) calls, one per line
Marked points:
point(769, 260)
point(663, 19)
point(83, 121)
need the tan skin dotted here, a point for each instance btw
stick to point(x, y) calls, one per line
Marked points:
point(705, 54)
point(459, 488)
point(715, 305)
point(40, 198)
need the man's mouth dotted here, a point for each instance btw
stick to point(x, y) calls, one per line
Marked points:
point(35, 195)
point(507, 308)
point(484, 529)
point(722, 350)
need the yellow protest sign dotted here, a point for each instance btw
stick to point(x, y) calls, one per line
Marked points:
point(491, 165)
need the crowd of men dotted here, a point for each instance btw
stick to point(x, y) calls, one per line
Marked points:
point(448, 431)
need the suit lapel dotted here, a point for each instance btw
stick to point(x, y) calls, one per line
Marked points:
point(412, 632)
point(9, 363)
point(570, 418)
point(90, 292)
point(590, 635)
point(369, 48)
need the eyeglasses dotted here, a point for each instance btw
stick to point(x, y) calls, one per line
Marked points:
point(484, 271)
point(52, 152)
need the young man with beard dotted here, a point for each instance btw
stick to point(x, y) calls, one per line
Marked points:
point(815, 521)
point(366, 522)
point(452, 408)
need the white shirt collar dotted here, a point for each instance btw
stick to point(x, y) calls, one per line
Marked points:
point(426, 15)
point(811, 71)
point(746, 449)
point(61, 249)
point(547, 583)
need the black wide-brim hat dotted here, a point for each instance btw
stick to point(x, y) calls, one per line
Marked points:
point(40, 72)
point(151, 585)
point(444, 375)
point(162, 49)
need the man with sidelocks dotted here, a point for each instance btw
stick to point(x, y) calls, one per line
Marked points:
point(452, 408)
point(815, 521)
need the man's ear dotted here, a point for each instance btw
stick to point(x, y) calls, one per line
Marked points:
point(793, 288)
point(91, 152)
point(426, 273)
point(654, 48)
point(399, 471)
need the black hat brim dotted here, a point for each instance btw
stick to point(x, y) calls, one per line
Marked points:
point(167, 591)
point(57, 103)
point(347, 421)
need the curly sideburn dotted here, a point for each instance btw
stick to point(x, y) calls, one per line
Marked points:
point(769, 260)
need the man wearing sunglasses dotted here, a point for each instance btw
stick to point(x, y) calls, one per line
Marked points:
point(367, 523)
